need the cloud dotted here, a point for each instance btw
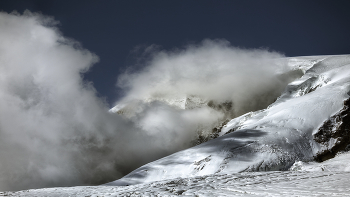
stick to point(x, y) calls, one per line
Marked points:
point(55, 131)
point(212, 70)
point(199, 87)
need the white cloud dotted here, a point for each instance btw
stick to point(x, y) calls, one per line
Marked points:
point(54, 130)
point(213, 70)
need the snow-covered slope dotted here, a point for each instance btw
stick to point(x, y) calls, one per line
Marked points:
point(291, 129)
point(329, 178)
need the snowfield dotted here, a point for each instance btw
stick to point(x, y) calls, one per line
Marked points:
point(276, 183)
point(271, 152)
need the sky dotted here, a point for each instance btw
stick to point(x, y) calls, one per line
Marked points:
point(117, 31)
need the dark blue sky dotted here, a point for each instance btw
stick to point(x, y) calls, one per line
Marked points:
point(113, 28)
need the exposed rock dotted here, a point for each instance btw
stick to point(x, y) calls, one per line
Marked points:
point(337, 130)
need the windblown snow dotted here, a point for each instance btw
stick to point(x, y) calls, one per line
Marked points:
point(267, 152)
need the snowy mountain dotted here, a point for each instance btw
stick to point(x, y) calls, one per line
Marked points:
point(307, 122)
point(265, 152)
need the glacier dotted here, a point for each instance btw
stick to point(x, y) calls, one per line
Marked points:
point(296, 146)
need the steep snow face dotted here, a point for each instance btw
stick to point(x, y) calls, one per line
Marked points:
point(269, 139)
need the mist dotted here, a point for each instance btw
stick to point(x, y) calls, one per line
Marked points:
point(211, 76)
point(212, 70)
point(56, 131)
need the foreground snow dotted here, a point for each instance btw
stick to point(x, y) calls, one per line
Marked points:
point(329, 178)
point(287, 183)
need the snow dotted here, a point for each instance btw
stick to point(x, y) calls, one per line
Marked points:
point(340, 163)
point(277, 183)
point(263, 153)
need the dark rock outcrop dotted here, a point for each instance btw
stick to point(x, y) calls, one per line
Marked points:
point(336, 128)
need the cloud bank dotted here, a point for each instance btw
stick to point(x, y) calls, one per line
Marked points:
point(213, 70)
point(55, 131)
